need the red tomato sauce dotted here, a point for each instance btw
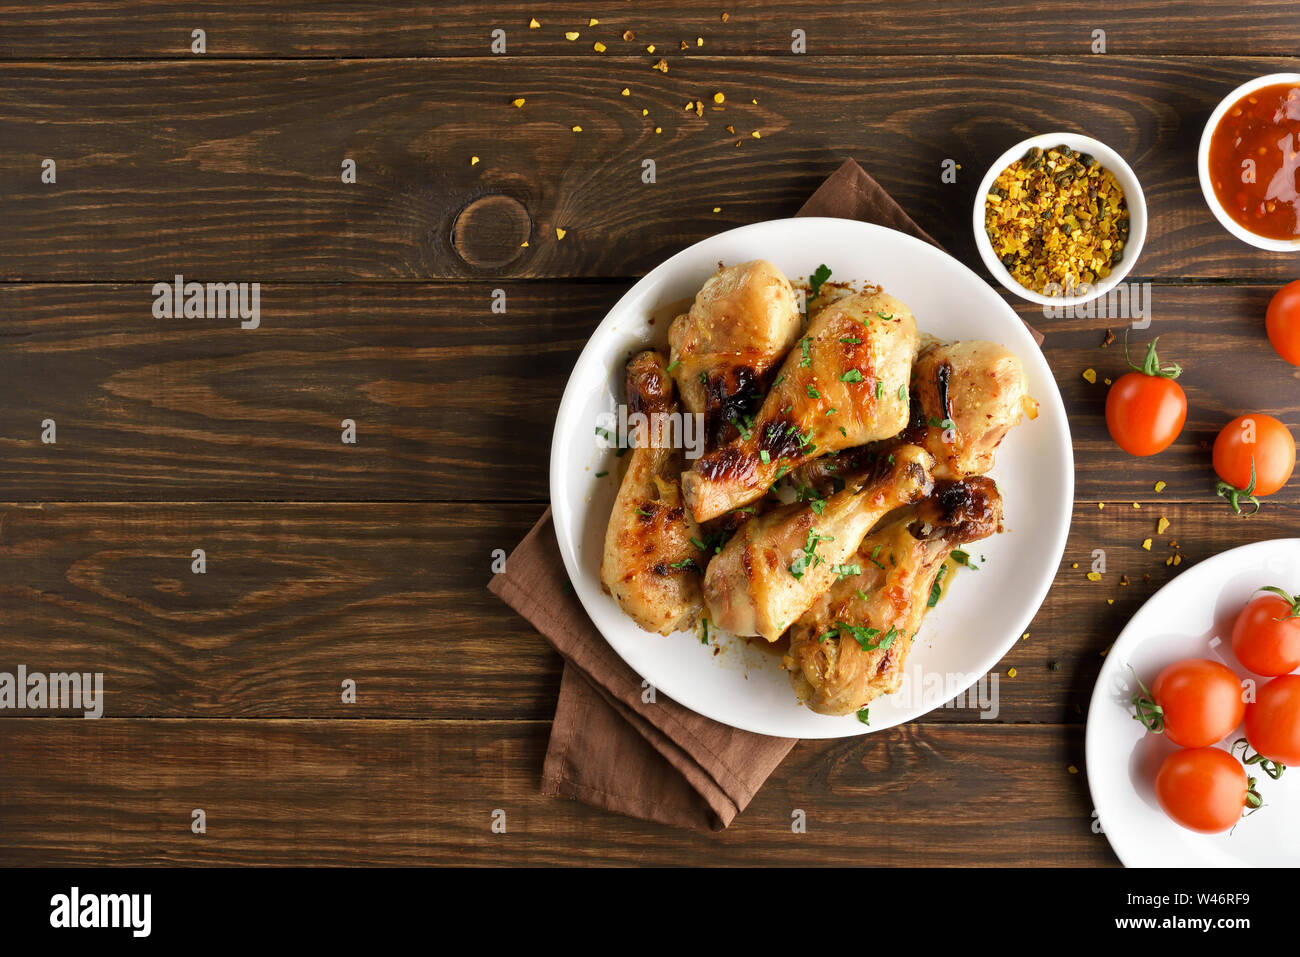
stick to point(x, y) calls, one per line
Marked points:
point(1255, 161)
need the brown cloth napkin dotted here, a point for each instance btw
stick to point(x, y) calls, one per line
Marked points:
point(658, 761)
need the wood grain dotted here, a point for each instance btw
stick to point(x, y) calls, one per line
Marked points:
point(423, 792)
point(455, 402)
point(298, 598)
point(245, 182)
point(160, 29)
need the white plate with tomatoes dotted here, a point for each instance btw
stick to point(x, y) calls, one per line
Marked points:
point(1215, 612)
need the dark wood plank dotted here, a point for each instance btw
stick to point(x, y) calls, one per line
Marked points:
point(450, 400)
point(274, 28)
point(454, 402)
point(423, 792)
point(244, 183)
point(298, 598)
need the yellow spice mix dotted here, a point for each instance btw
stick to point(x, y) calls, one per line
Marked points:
point(1056, 219)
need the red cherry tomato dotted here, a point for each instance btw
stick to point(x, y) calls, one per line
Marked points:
point(1253, 455)
point(1203, 789)
point(1146, 409)
point(1266, 636)
point(1195, 702)
point(1283, 322)
point(1273, 720)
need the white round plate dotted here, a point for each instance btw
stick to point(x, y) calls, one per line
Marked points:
point(1190, 617)
point(983, 613)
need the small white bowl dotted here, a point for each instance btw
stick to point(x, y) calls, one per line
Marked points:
point(1133, 197)
point(1203, 166)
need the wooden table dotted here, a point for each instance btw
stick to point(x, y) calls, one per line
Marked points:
point(329, 562)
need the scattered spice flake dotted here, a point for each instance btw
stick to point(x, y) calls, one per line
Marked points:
point(473, 161)
point(1160, 486)
point(1109, 338)
point(519, 102)
point(1025, 636)
point(629, 36)
point(658, 130)
point(699, 41)
point(592, 22)
point(1110, 601)
point(719, 98)
point(731, 130)
point(1178, 559)
point(717, 209)
point(1106, 380)
point(533, 24)
point(524, 244)
point(645, 112)
point(650, 48)
point(1074, 564)
point(1094, 576)
point(661, 66)
point(1169, 560)
point(625, 92)
point(572, 35)
point(577, 129)
point(598, 47)
point(1162, 525)
point(1136, 505)
point(755, 102)
point(1146, 544)
point(725, 16)
point(690, 105)
point(1123, 579)
point(1100, 506)
point(1090, 376)
point(560, 233)
point(756, 135)
point(1011, 672)
point(1072, 769)
point(699, 108)
point(682, 44)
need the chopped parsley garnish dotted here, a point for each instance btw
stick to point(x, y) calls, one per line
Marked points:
point(902, 393)
point(853, 375)
point(786, 410)
point(744, 426)
point(808, 557)
point(844, 432)
point(880, 390)
point(851, 341)
point(942, 423)
point(704, 637)
point(704, 380)
point(818, 278)
point(605, 434)
point(962, 557)
point(685, 563)
point(937, 588)
point(779, 472)
point(832, 410)
point(805, 344)
point(885, 317)
point(864, 715)
point(601, 474)
point(813, 393)
point(710, 543)
point(844, 571)
point(643, 512)
point(875, 552)
point(765, 456)
point(674, 364)
point(778, 380)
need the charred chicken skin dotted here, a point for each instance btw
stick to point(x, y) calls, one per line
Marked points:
point(777, 564)
point(851, 645)
point(650, 565)
point(725, 350)
point(843, 384)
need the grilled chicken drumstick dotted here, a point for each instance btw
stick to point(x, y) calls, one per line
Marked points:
point(851, 645)
point(650, 564)
point(844, 384)
point(725, 350)
point(777, 564)
point(966, 397)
